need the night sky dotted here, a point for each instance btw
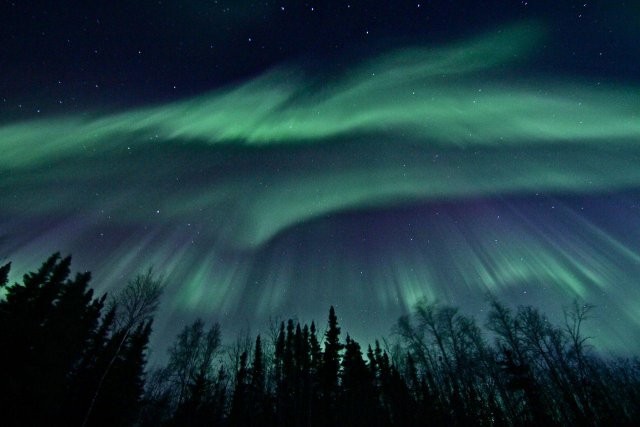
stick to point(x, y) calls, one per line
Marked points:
point(274, 158)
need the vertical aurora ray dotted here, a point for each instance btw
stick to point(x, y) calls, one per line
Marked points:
point(417, 174)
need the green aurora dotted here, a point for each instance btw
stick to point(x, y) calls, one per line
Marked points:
point(423, 133)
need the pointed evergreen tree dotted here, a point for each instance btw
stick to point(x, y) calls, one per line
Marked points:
point(331, 357)
point(219, 397)
point(315, 365)
point(258, 402)
point(120, 398)
point(288, 361)
point(278, 359)
point(134, 305)
point(280, 375)
point(45, 324)
point(257, 369)
point(358, 404)
point(239, 403)
point(4, 274)
point(306, 397)
point(314, 348)
point(85, 375)
point(330, 368)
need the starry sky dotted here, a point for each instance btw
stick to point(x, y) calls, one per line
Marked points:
point(273, 158)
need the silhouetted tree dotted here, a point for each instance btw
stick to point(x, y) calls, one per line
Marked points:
point(330, 368)
point(66, 362)
point(240, 407)
point(120, 397)
point(259, 411)
point(45, 323)
point(4, 274)
point(195, 392)
point(134, 306)
point(358, 399)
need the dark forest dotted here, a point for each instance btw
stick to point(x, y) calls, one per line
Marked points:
point(73, 358)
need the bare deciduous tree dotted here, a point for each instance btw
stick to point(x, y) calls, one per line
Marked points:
point(134, 305)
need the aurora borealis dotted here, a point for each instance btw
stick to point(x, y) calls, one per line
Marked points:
point(440, 169)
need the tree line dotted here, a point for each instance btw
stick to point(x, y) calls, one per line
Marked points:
point(71, 358)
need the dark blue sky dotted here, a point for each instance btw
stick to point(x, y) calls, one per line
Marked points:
point(274, 158)
point(61, 56)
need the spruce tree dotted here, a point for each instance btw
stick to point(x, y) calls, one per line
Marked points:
point(45, 323)
point(358, 403)
point(239, 403)
point(330, 368)
point(258, 402)
point(4, 274)
point(257, 369)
